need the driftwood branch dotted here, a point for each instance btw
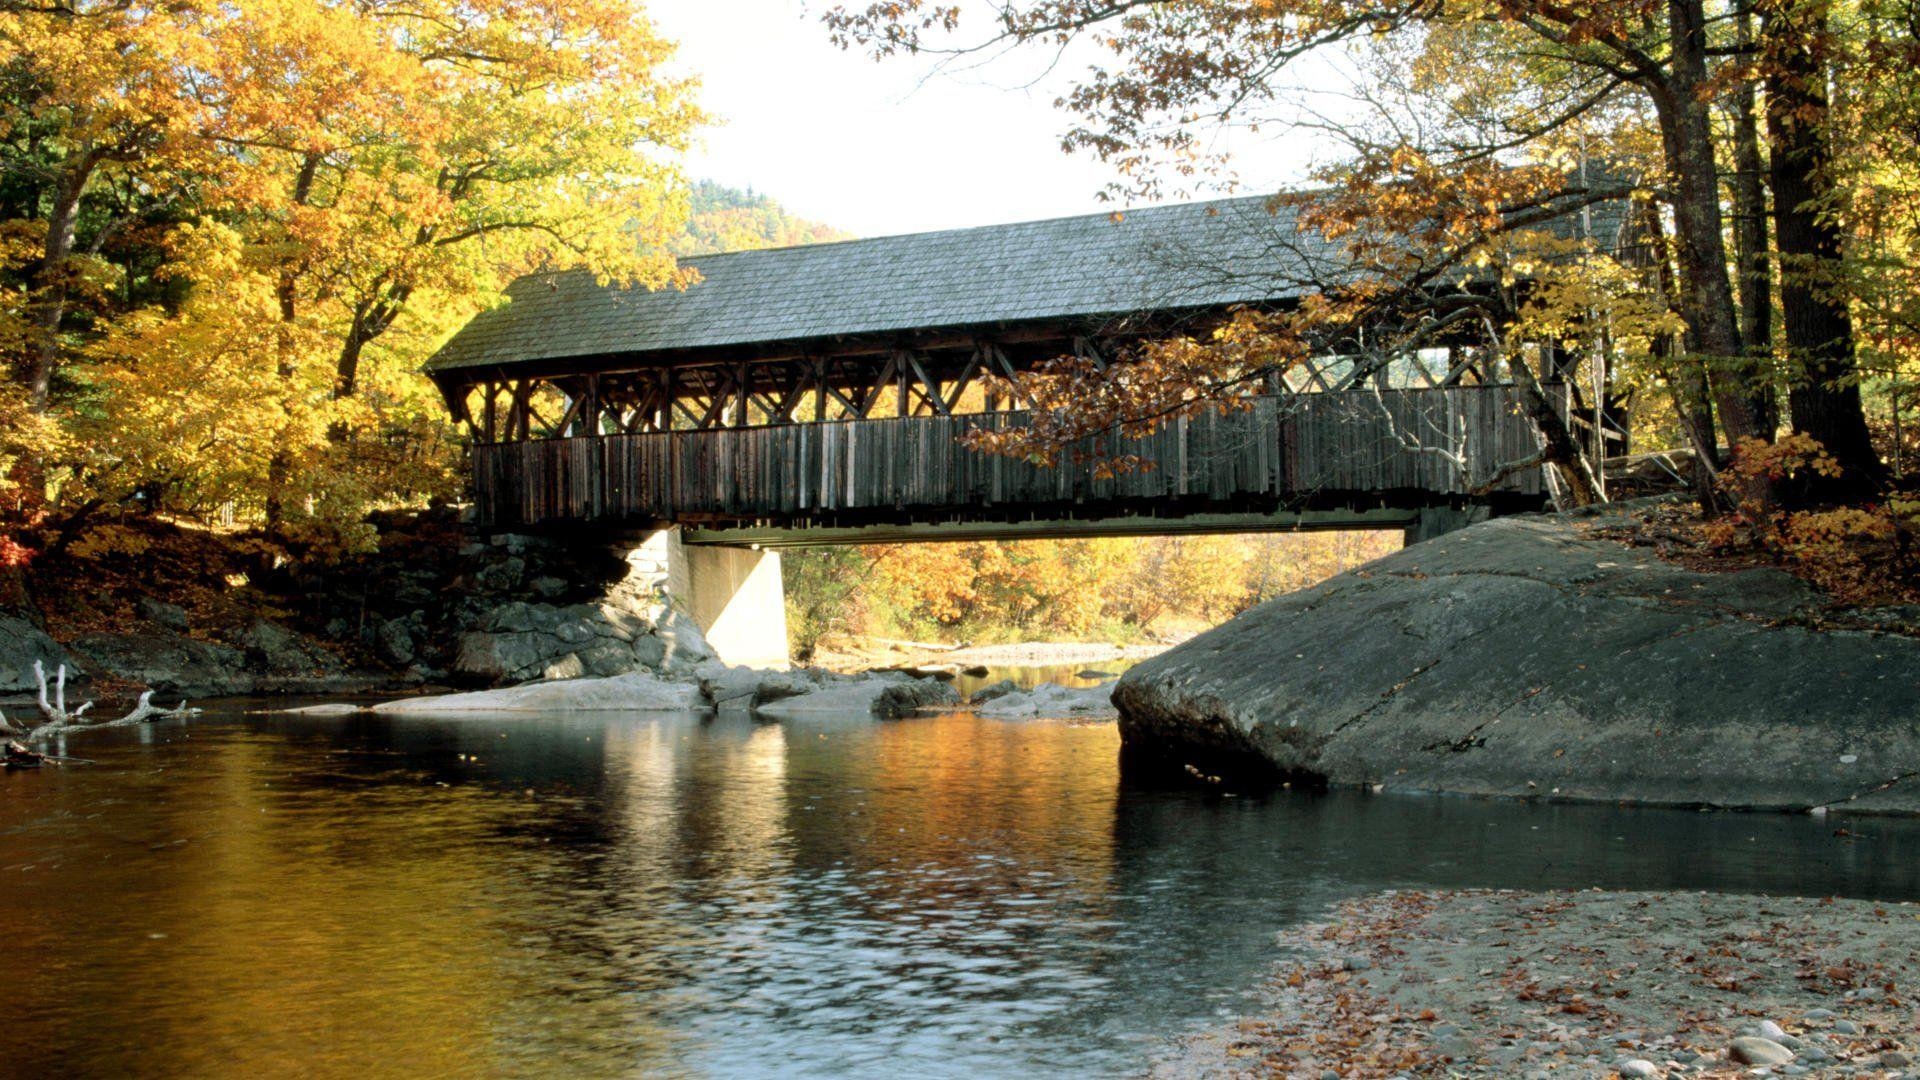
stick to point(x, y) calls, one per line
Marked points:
point(58, 721)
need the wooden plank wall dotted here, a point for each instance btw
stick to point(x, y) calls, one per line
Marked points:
point(1285, 447)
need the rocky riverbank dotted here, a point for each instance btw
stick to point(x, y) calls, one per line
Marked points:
point(193, 613)
point(1588, 984)
point(1532, 658)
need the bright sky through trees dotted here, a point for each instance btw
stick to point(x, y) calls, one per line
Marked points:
point(876, 149)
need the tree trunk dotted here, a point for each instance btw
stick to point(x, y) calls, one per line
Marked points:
point(1750, 211)
point(1825, 395)
point(1705, 295)
point(1561, 450)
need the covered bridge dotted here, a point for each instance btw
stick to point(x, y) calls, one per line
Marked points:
point(816, 393)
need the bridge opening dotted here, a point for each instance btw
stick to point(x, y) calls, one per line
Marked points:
point(1018, 602)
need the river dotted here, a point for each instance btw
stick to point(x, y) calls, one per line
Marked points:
point(673, 896)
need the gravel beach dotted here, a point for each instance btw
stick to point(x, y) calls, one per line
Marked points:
point(1587, 984)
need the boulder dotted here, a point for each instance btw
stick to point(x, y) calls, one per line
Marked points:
point(168, 663)
point(272, 649)
point(1524, 657)
point(994, 690)
point(608, 658)
point(882, 694)
point(779, 685)
point(489, 657)
point(728, 687)
point(170, 616)
point(393, 640)
point(1053, 701)
point(21, 643)
point(634, 692)
point(1754, 1050)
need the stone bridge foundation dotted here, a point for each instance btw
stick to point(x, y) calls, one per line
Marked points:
point(734, 594)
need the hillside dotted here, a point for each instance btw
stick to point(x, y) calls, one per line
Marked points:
point(729, 219)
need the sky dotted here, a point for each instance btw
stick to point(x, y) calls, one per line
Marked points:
point(877, 148)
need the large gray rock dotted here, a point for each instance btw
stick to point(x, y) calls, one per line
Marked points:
point(1051, 700)
point(1520, 657)
point(635, 692)
point(518, 641)
point(168, 663)
point(882, 694)
point(21, 643)
point(271, 649)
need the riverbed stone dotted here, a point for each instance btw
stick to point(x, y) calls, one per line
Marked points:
point(1051, 700)
point(994, 690)
point(1754, 1050)
point(1525, 657)
point(780, 685)
point(727, 687)
point(881, 694)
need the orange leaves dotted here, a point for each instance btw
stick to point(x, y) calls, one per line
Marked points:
point(1861, 554)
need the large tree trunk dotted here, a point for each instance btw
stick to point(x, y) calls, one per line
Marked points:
point(1750, 211)
point(1825, 396)
point(1705, 295)
point(1686, 381)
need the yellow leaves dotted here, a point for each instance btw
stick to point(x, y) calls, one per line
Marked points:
point(106, 540)
point(357, 180)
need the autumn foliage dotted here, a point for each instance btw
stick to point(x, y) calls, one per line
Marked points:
point(230, 233)
point(1866, 554)
point(1115, 588)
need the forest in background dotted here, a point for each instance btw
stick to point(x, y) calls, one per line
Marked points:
point(1113, 589)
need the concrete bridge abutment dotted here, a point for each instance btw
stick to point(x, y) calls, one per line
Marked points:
point(734, 594)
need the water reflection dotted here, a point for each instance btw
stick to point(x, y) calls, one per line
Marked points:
point(659, 896)
point(1090, 673)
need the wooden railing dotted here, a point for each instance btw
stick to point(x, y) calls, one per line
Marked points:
point(1421, 444)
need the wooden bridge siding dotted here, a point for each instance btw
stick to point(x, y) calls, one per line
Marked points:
point(1275, 447)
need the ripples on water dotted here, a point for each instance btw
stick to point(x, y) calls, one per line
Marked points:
point(667, 896)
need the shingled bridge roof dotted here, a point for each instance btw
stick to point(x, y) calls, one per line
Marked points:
point(1167, 258)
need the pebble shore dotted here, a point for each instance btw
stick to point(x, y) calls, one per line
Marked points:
point(1585, 984)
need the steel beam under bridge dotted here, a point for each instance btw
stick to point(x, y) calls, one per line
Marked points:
point(1419, 524)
